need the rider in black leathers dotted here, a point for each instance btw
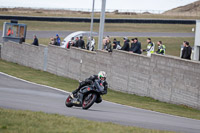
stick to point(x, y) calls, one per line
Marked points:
point(100, 79)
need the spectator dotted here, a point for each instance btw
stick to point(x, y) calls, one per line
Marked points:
point(109, 46)
point(150, 47)
point(105, 42)
point(88, 43)
point(161, 48)
point(51, 40)
point(116, 44)
point(137, 46)
point(76, 42)
point(70, 43)
point(57, 40)
point(81, 43)
point(35, 41)
point(91, 44)
point(132, 45)
point(187, 51)
point(126, 44)
point(22, 39)
point(10, 32)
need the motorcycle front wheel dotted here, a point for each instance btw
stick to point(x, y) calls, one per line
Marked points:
point(68, 102)
point(89, 100)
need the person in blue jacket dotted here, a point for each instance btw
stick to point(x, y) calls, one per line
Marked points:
point(57, 40)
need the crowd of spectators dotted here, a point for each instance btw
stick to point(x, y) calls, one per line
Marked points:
point(133, 46)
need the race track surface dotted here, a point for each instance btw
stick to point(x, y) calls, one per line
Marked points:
point(49, 34)
point(18, 94)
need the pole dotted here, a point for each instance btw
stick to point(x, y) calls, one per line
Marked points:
point(197, 42)
point(92, 18)
point(101, 26)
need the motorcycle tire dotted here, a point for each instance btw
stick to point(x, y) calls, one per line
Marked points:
point(89, 100)
point(68, 102)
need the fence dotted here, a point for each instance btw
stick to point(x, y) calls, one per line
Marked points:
point(166, 78)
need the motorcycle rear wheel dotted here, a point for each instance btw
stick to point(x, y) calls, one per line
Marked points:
point(89, 100)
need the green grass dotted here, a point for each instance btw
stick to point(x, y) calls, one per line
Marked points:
point(12, 121)
point(63, 83)
point(172, 44)
point(114, 27)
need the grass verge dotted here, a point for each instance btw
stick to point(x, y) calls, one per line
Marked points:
point(12, 121)
point(63, 83)
point(114, 27)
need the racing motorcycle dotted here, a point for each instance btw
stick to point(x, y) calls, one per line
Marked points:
point(87, 96)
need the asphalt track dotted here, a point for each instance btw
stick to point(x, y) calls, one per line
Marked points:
point(48, 34)
point(22, 95)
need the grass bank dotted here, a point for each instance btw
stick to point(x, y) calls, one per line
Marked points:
point(12, 121)
point(63, 83)
point(68, 13)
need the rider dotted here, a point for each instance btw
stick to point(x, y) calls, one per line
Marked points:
point(100, 79)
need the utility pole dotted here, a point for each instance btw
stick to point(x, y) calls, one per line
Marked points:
point(101, 26)
point(197, 42)
point(92, 18)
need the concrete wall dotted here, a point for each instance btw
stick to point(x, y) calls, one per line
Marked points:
point(166, 78)
point(24, 54)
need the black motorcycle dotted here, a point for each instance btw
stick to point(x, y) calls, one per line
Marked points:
point(86, 96)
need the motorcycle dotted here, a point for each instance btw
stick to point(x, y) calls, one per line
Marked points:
point(86, 96)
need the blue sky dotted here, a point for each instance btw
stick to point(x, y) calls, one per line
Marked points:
point(87, 4)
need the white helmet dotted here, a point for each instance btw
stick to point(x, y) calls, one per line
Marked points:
point(102, 74)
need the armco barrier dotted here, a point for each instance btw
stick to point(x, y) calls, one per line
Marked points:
point(166, 78)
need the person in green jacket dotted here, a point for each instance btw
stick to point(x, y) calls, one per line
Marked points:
point(161, 48)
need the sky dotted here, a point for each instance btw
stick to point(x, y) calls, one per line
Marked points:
point(148, 5)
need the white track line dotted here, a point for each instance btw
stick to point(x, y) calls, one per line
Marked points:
point(103, 100)
point(34, 83)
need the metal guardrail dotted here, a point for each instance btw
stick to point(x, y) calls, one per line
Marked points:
point(108, 20)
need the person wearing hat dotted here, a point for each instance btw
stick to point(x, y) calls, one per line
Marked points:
point(57, 40)
point(126, 44)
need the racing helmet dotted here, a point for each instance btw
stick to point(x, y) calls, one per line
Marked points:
point(102, 74)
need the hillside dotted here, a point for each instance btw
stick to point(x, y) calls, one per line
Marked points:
point(192, 9)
